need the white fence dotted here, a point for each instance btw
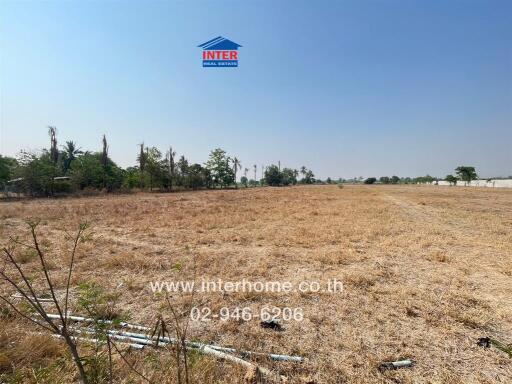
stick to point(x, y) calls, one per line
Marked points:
point(480, 183)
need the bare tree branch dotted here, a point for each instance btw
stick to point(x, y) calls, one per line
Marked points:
point(81, 229)
point(128, 363)
point(45, 270)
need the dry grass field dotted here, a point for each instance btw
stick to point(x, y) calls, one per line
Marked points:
point(426, 272)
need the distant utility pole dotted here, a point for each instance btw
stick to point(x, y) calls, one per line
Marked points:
point(279, 165)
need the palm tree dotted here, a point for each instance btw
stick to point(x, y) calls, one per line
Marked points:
point(303, 170)
point(245, 172)
point(236, 166)
point(70, 153)
point(255, 168)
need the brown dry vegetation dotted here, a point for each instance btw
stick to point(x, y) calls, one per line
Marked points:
point(426, 271)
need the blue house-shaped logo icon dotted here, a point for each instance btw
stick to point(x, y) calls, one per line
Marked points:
point(220, 52)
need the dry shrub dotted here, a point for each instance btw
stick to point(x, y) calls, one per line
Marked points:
point(340, 257)
point(439, 256)
point(26, 256)
point(32, 350)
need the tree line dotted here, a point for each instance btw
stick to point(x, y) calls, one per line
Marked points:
point(68, 169)
point(463, 173)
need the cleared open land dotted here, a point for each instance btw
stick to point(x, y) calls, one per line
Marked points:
point(426, 272)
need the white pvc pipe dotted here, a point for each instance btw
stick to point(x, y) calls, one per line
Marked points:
point(40, 299)
point(193, 344)
point(88, 340)
point(275, 357)
point(89, 320)
point(205, 349)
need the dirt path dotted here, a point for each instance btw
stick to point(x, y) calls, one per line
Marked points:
point(415, 211)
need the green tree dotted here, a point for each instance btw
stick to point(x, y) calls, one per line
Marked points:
point(88, 171)
point(219, 166)
point(385, 180)
point(244, 181)
point(451, 179)
point(370, 180)
point(424, 179)
point(288, 176)
point(197, 177)
point(153, 165)
point(7, 169)
point(131, 178)
point(395, 179)
point(273, 176)
point(37, 173)
point(309, 177)
point(466, 173)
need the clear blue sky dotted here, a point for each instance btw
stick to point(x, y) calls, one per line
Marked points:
point(347, 88)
